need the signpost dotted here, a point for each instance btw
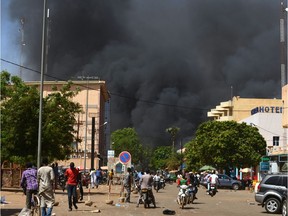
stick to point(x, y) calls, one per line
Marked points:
point(125, 157)
point(265, 159)
point(264, 166)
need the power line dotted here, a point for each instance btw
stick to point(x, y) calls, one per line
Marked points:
point(111, 93)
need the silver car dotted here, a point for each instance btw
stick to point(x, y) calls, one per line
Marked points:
point(225, 182)
point(271, 191)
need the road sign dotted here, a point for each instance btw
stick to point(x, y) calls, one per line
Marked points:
point(264, 166)
point(124, 157)
point(110, 153)
point(265, 159)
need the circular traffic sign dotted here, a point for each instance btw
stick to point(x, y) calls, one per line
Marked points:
point(124, 157)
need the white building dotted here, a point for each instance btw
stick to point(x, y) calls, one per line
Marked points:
point(269, 124)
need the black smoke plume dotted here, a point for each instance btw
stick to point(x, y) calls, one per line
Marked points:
point(179, 58)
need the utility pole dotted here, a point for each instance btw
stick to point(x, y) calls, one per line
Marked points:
point(43, 60)
point(283, 42)
point(22, 22)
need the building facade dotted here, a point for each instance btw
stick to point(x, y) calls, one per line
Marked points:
point(240, 108)
point(270, 127)
point(93, 96)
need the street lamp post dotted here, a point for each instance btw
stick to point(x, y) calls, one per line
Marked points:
point(43, 62)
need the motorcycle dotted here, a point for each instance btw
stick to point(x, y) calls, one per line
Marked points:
point(86, 180)
point(62, 181)
point(156, 185)
point(213, 190)
point(146, 197)
point(162, 183)
point(186, 195)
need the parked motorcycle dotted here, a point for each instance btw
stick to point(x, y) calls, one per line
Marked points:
point(62, 181)
point(86, 180)
point(213, 190)
point(185, 195)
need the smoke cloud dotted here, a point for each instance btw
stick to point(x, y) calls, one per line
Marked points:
point(180, 58)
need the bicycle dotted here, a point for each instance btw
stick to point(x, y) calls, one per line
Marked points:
point(35, 205)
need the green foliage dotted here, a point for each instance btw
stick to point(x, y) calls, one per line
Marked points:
point(20, 121)
point(127, 139)
point(225, 144)
point(174, 161)
point(161, 156)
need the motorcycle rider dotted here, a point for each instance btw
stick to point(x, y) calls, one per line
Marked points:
point(156, 180)
point(194, 182)
point(207, 179)
point(213, 179)
point(146, 182)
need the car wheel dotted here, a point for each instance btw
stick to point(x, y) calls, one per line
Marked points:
point(272, 205)
point(284, 208)
point(235, 186)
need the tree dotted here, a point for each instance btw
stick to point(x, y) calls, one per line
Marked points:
point(127, 139)
point(225, 144)
point(161, 156)
point(173, 131)
point(20, 119)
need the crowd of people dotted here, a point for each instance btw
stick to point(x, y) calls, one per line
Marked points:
point(44, 181)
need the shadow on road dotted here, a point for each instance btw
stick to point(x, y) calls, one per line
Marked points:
point(10, 212)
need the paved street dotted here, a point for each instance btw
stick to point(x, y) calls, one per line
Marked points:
point(226, 202)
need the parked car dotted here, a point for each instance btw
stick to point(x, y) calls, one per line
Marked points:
point(225, 182)
point(271, 192)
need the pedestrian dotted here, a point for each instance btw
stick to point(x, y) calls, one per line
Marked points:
point(110, 177)
point(45, 178)
point(98, 177)
point(146, 182)
point(71, 175)
point(127, 184)
point(56, 174)
point(93, 178)
point(29, 183)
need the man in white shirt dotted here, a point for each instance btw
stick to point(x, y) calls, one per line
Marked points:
point(213, 179)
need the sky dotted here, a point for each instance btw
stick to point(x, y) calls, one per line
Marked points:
point(166, 62)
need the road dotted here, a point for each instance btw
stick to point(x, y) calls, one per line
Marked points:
point(226, 202)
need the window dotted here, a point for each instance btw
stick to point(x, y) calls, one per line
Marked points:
point(273, 180)
point(275, 140)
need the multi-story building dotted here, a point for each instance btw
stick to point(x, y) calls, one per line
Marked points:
point(240, 108)
point(93, 96)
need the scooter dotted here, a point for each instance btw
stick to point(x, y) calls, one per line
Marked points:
point(185, 195)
